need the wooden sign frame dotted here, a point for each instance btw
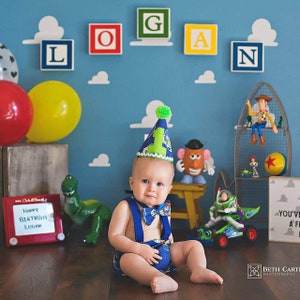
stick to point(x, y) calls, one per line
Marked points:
point(32, 219)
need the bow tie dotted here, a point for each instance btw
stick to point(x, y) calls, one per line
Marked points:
point(149, 213)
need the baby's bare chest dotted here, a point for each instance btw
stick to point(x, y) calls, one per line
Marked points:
point(151, 232)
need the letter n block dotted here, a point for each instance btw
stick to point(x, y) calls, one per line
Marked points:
point(247, 56)
point(105, 38)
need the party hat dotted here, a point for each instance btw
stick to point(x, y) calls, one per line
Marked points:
point(158, 143)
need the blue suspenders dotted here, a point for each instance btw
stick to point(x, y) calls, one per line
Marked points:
point(137, 220)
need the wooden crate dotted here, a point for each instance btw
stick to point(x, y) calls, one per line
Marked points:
point(29, 169)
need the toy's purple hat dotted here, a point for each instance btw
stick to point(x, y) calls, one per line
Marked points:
point(158, 143)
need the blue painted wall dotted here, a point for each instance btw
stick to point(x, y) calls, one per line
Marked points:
point(142, 74)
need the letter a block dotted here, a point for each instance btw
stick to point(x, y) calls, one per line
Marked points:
point(105, 38)
point(57, 55)
point(200, 39)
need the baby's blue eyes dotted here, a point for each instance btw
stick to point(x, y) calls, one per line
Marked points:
point(146, 181)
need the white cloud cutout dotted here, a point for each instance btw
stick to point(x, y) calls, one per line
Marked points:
point(150, 119)
point(101, 161)
point(263, 32)
point(48, 30)
point(100, 78)
point(207, 77)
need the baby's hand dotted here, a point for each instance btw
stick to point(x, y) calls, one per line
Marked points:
point(149, 254)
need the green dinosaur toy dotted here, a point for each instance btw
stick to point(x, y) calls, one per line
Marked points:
point(82, 212)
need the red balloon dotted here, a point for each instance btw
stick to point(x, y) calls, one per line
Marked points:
point(16, 113)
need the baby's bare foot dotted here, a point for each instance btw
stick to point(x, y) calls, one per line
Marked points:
point(203, 275)
point(163, 284)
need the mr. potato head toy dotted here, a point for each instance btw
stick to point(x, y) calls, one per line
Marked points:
point(193, 161)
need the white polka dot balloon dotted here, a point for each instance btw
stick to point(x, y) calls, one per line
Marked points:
point(8, 65)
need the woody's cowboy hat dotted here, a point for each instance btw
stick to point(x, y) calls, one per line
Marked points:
point(263, 96)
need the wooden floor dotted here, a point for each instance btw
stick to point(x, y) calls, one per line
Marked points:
point(70, 270)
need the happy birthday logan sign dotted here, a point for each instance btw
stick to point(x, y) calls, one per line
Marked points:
point(34, 219)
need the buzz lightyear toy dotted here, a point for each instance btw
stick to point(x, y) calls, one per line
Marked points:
point(222, 209)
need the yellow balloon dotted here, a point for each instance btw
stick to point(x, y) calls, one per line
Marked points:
point(56, 111)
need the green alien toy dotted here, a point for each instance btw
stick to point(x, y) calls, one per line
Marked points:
point(90, 212)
